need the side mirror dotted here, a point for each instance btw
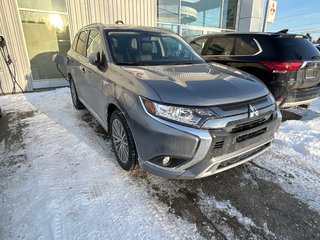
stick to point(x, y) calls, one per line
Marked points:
point(59, 59)
point(96, 59)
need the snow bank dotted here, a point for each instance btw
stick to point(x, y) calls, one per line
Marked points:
point(294, 158)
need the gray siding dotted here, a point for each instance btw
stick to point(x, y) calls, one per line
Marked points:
point(133, 12)
point(11, 29)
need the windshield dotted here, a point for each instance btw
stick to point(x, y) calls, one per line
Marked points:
point(150, 48)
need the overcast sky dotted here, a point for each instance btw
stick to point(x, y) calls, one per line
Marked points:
point(299, 16)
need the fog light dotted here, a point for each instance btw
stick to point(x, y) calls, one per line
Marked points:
point(166, 161)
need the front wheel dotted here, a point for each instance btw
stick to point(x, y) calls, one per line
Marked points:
point(122, 141)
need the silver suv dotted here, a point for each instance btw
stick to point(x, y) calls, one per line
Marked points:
point(164, 107)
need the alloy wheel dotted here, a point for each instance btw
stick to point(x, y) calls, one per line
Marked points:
point(120, 141)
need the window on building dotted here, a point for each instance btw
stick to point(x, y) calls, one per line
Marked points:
point(46, 31)
point(82, 43)
point(190, 34)
point(196, 17)
point(205, 13)
point(168, 11)
point(48, 5)
point(229, 14)
point(221, 46)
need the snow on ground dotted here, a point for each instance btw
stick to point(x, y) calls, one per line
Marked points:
point(73, 187)
point(294, 158)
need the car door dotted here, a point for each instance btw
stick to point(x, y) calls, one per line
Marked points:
point(78, 61)
point(93, 75)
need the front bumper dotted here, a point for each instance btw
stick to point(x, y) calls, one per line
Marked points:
point(201, 150)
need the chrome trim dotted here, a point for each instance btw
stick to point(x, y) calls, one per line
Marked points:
point(306, 62)
point(255, 54)
point(293, 104)
point(223, 122)
point(221, 160)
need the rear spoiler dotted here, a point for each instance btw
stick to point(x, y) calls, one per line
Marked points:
point(284, 34)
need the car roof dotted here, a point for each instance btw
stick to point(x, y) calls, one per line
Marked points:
point(127, 27)
point(271, 34)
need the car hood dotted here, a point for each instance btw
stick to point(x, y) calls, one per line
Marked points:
point(199, 84)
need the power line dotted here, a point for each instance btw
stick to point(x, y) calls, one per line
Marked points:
point(290, 27)
point(307, 29)
point(303, 13)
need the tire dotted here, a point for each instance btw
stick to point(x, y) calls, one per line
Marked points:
point(122, 141)
point(74, 95)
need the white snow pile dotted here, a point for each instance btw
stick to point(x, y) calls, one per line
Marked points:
point(72, 187)
point(294, 158)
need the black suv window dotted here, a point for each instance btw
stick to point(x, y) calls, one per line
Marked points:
point(198, 44)
point(82, 42)
point(291, 48)
point(245, 45)
point(94, 42)
point(221, 46)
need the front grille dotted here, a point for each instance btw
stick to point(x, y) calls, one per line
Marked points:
point(244, 105)
point(248, 136)
point(243, 156)
point(246, 124)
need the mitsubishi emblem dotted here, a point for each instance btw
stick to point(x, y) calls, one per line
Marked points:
point(253, 112)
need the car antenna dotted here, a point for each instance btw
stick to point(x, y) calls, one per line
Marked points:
point(119, 22)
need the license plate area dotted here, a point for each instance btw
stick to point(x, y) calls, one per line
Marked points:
point(310, 73)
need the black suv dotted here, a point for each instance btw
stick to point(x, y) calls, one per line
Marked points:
point(288, 64)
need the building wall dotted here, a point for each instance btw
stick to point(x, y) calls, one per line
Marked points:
point(134, 12)
point(250, 15)
point(10, 28)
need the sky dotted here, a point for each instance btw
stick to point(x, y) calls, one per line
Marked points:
point(298, 16)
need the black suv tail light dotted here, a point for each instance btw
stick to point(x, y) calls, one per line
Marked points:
point(274, 66)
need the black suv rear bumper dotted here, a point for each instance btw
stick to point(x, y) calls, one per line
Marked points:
point(297, 97)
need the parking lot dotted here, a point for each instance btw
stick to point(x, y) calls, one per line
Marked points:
point(59, 179)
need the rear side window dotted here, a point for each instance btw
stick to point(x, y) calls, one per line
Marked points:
point(198, 44)
point(295, 48)
point(221, 46)
point(245, 45)
point(82, 42)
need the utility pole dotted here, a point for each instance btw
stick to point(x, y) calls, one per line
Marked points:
point(265, 17)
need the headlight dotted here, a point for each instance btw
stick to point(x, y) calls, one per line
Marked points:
point(190, 116)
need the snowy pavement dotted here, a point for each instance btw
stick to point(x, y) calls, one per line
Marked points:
point(59, 180)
